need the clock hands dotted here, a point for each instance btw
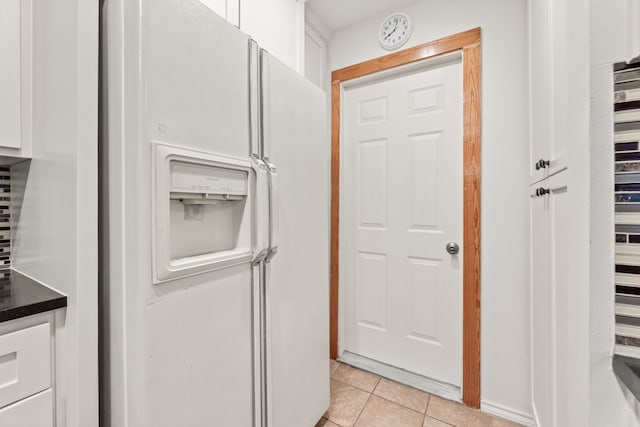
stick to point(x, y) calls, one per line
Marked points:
point(392, 38)
point(394, 30)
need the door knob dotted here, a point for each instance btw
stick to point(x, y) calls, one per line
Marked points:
point(453, 248)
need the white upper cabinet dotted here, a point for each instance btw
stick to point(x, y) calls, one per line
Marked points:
point(549, 27)
point(15, 78)
point(10, 73)
point(278, 26)
point(228, 9)
point(315, 63)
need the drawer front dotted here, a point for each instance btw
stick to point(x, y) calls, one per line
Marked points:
point(36, 411)
point(25, 363)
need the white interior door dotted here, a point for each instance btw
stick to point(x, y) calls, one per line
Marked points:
point(401, 203)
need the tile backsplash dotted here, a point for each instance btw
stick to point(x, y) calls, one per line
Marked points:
point(627, 204)
point(5, 218)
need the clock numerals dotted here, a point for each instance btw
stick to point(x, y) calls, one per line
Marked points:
point(394, 31)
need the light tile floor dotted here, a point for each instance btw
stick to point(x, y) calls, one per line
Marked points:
point(362, 399)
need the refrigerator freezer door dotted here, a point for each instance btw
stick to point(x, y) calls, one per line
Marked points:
point(196, 78)
point(181, 353)
point(199, 357)
point(297, 287)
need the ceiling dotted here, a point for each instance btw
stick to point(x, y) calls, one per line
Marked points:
point(337, 14)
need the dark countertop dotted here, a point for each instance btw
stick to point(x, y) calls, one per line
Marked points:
point(21, 296)
point(627, 370)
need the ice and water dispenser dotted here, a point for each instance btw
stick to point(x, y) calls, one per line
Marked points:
point(202, 207)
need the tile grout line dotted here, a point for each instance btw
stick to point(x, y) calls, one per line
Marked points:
point(442, 421)
point(438, 419)
point(351, 385)
point(356, 387)
point(372, 393)
point(428, 403)
point(400, 404)
point(424, 414)
point(380, 378)
point(429, 396)
point(362, 410)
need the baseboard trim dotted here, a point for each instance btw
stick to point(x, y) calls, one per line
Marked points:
point(446, 391)
point(536, 419)
point(507, 413)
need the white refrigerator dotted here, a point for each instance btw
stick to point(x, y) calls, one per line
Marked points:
point(214, 226)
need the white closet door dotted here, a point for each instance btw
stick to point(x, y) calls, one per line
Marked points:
point(400, 206)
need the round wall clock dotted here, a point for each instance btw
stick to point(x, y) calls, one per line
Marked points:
point(394, 31)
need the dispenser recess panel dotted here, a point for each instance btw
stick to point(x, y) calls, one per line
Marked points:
point(203, 206)
point(193, 178)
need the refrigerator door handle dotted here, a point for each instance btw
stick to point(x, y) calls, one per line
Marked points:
point(265, 97)
point(261, 210)
point(254, 99)
point(259, 344)
point(274, 206)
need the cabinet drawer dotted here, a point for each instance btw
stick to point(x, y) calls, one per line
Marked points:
point(36, 411)
point(25, 365)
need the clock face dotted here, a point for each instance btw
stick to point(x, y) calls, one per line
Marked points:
point(394, 31)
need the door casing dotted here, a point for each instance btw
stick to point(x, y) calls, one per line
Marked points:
point(469, 43)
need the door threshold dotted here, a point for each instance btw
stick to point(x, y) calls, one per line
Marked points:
point(431, 386)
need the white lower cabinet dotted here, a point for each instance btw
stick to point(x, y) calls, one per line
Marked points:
point(34, 411)
point(25, 363)
point(550, 302)
point(26, 393)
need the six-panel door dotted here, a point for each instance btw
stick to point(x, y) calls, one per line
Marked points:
point(400, 206)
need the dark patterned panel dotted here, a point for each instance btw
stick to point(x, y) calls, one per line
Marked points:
point(627, 203)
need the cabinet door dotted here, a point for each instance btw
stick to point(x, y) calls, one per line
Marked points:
point(540, 85)
point(563, 353)
point(278, 27)
point(24, 363)
point(550, 91)
point(35, 411)
point(541, 311)
point(228, 9)
point(10, 69)
point(551, 303)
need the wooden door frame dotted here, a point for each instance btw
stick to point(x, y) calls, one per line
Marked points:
point(469, 43)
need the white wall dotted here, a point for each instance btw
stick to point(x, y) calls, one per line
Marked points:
point(614, 38)
point(505, 156)
point(56, 237)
